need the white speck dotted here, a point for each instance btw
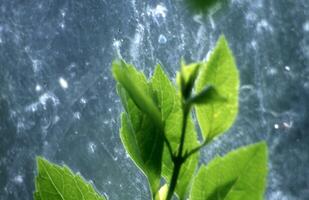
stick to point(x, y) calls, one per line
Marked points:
point(263, 25)
point(117, 43)
point(63, 83)
point(62, 13)
point(83, 100)
point(162, 39)
point(48, 96)
point(43, 100)
point(158, 13)
point(306, 26)
point(76, 115)
point(105, 78)
point(109, 182)
point(109, 110)
point(18, 179)
point(75, 132)
point(287, 68)
point(62, 25)
point(38, 88)
point(288, 124)
point(272, 71)
point(56, 119)
point(253, 44)
point(276, 126)
point(92, 147)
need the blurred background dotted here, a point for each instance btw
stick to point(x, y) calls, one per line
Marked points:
point(58, 99)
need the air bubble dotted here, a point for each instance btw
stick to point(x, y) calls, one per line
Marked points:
point(63, 83)
point(162, 39)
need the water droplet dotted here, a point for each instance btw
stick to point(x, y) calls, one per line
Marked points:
point(276, 126)
point(287, 68)
point(162, 39)
point(38, 88)
point(63, 83)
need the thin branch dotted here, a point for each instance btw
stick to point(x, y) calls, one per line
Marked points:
point(196, 149)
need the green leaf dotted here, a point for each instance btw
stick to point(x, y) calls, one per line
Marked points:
point(171, 113)
point(135, 86)
point(239, 175)
point(221, 72)
point(140, 135)
point(54, 182)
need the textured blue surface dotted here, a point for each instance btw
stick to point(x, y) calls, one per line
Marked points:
point(57, 96)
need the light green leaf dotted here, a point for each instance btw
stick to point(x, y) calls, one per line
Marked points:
point(171, 113)
point(239, 175)
point(140, 135)
point(220, 71)
point(54, 182)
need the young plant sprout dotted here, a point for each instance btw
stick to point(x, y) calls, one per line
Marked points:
point(158, 133)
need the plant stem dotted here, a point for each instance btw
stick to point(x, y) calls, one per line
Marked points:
point(178, 160)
